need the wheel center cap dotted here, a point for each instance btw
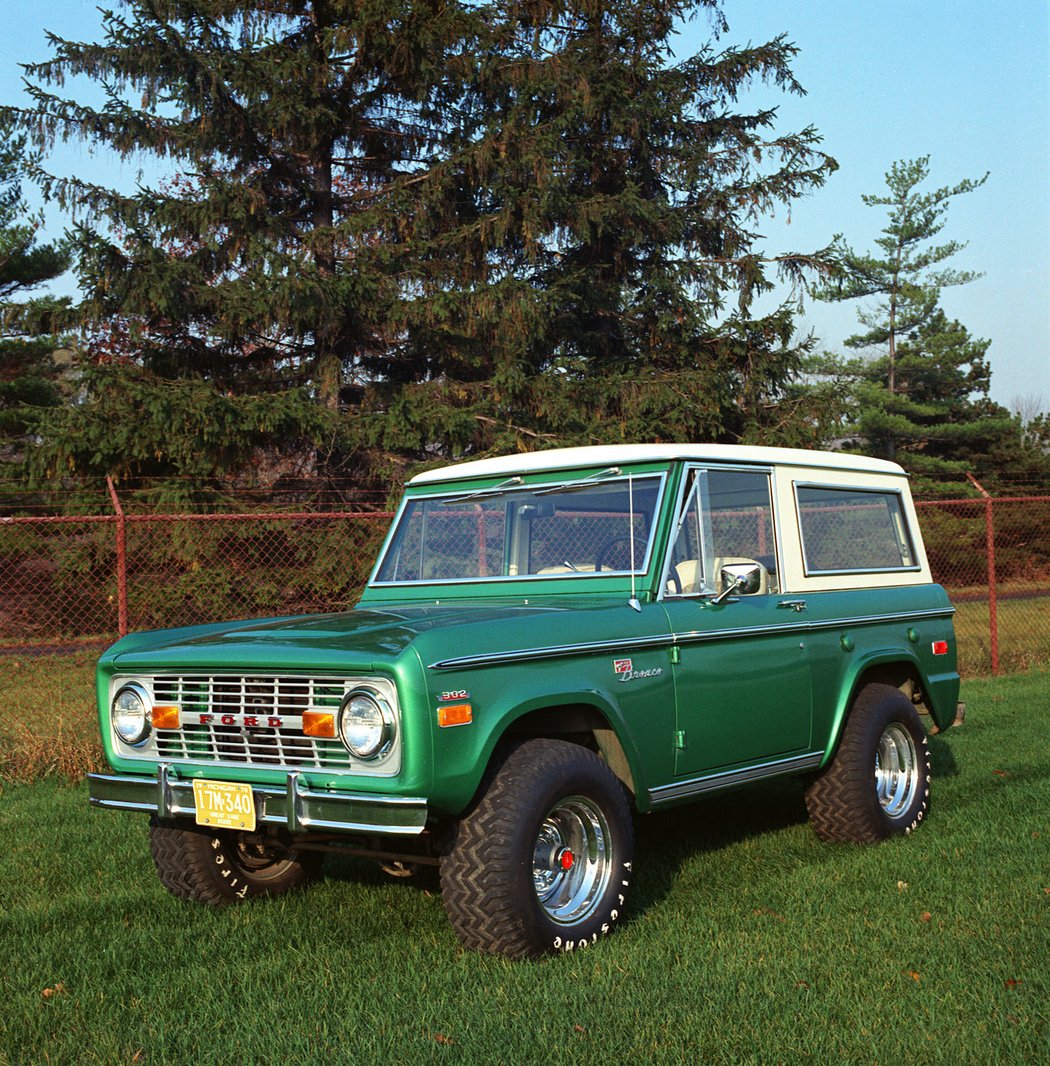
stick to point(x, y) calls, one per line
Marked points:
point(566, 859)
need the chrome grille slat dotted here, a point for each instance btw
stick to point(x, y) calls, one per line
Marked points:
point(262, 695)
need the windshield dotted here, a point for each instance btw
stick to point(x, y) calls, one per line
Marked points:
point(582, 527)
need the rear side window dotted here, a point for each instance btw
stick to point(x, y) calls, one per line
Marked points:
point(849, 530)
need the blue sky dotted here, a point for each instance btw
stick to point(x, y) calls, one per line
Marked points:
point(966, 83)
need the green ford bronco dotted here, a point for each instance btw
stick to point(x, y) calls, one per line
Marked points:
point(549, 644)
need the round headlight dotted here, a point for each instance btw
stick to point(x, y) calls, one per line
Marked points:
point(130, 714)
point(366, 724)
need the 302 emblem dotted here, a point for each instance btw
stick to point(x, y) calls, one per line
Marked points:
point(456, 694)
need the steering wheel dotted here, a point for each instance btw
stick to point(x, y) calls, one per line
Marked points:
point(600, 557)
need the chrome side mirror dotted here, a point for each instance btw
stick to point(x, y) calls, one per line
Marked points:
point(745, 578)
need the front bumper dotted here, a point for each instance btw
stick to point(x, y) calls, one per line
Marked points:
point(295, 807)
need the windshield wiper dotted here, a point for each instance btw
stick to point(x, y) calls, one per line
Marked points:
point(481, 494)
point(582, 483)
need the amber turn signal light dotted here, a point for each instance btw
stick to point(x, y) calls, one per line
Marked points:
point(319, 723)
point(165, 716)
point(455, 714)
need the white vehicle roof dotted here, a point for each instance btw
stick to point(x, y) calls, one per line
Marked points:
point(621, 454)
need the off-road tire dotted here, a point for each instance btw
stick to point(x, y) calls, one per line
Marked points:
point(225, 866)
point(549, 816)
point(878, 783)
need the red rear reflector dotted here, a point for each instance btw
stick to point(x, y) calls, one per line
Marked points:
point(940, 647)
point(455, 714)
point(319, 723)
point(165, 716)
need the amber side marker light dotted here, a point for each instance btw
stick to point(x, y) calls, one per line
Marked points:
point(319, 723)
point(166, 716)
point(940, 647)
point(455, 714)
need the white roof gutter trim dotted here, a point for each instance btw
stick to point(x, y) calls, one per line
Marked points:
point(619, 454)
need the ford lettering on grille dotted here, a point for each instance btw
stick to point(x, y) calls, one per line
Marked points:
point(256, 720)
point(251, 721)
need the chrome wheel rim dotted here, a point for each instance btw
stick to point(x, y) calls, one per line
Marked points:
point(572, 860)
point(896, 770)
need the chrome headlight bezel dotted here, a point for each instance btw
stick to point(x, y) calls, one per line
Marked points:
point(367, 724)
point(129, 727)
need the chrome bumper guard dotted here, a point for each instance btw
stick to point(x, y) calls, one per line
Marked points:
point(298, 808)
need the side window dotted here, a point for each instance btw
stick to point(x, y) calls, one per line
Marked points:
point(846, 530)
point(727, 517)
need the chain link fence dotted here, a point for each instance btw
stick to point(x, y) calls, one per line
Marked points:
point(84, 579)
point(68, 580)
point(993, 556)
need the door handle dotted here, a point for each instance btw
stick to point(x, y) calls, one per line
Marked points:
point(792, 605)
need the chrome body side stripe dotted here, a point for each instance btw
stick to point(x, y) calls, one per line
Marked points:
point(811, 627)
point(558, 651)
point(713, 782)
point(663, 640)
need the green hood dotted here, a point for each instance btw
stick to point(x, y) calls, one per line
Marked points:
point(355, 639)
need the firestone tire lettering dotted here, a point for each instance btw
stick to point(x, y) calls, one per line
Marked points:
point(490, 876)
point(225, 866)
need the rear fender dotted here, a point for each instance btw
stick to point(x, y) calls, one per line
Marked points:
point(889, 666)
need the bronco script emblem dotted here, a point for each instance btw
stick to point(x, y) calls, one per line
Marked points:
point(625, 671)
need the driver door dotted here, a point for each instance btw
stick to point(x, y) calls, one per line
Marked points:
point(742, 685)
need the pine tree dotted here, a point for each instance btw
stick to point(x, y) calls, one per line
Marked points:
point(920, 392)
point(940, 422)
point(267, 263)
point(620, 190)
point(29, 371)
point(903, 279)
point(449, 227)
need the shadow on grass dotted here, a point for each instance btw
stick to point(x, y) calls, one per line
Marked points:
point(668, 840)
point(356, 870)
point(942, 758)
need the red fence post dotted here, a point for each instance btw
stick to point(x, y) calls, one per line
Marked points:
point(989, 547)
point(122, 562)
point(993, 608)
point(483, 550)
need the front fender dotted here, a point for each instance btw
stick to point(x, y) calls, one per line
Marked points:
point(501, 698)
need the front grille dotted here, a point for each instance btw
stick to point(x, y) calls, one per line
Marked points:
point(264, 698)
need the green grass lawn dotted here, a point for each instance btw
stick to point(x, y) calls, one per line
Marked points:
point(748, 940)
point(58, 690)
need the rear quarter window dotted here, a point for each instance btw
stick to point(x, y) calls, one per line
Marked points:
point(850, 530)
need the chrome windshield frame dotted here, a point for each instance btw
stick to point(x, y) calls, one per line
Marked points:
point(546, 489)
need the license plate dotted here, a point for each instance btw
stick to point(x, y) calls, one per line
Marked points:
point(224, 805)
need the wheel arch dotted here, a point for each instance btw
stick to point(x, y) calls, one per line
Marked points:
point(580, 722)
point(887, 668)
